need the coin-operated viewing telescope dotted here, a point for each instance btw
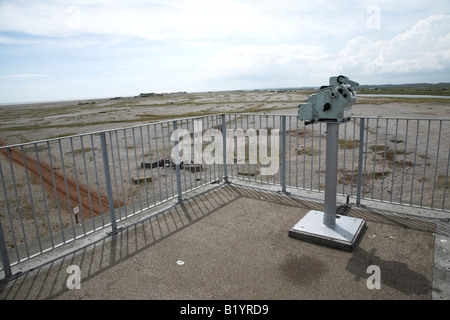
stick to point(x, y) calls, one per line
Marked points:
point(331, 103)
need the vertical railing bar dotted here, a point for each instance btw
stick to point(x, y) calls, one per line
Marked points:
point(274, 126)
point(31, 199)
point(4, 254)
point(96, 180)
point(446, 180)
point(384, 160)
point(365, 159)
point(257, 129)
point(393, 160)
point(190, 160)
point(137, 169)
point(247, 155)
point(164, 162)
point(236, 147)
point(375, 158)
point(267, 127)
point(144, 166)
point(312, 156)
point(425, 163)
point(129, 173)
point(116, 133)
point(345, 156)
point(304, 155)
point(184, 171)
point(215, 124)
point(290, 146)
point(210, 171)
point(257, 138)
point(151, 163)
point(87, 182)
point(56, 193)
point(44, 200)
point(202, 178)
point(221, 119)
point(283, 154)
point(404, 161)
point(201, 175)
point(320, 153)
point(196, 133)
point(360, 160)
point(224, 148)
point(296, 156)
point(169, 157)
point(414, 167)
point(177, 164)
point(114, 173)
point(3, 250)
point(158, 166)
point(353, 156)
point(78, 186)
point(66, 188)
point(19, 210)
point(436, 166)
point(108, 183)
point(259, 133)
point(8, 210)
point(242, 128)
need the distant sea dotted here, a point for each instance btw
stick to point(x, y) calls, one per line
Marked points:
point(401, 96)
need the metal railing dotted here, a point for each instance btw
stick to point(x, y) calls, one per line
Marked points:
point(58, 190)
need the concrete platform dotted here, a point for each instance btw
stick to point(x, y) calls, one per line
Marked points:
point(231, 242)
point(343, 235)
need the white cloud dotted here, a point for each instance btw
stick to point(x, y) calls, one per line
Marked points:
point(24, 75)
point(423, 48)
point(156, 20)
point(266, 63)
point(34, 18)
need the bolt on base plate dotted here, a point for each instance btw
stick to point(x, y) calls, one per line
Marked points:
point(344, 235)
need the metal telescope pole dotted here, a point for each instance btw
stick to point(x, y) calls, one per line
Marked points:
point(329, 217)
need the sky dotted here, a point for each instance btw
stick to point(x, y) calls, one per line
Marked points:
point(87, 49)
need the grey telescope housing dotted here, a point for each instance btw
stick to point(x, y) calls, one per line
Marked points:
point(331, 103)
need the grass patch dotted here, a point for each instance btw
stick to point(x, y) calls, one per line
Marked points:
point(348, 144)
point(350, 177)
point(308, 151)
point(80, 151)
point(443, 181)
point(386, 152)
point(62, 135)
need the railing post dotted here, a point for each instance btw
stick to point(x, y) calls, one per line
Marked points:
point(224, 150)
point(4, 254)
point(177, 164)
point(109, 193)
point(283, 154)
point(360, 161)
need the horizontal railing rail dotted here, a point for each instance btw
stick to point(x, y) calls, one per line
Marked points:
point(58, 190)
